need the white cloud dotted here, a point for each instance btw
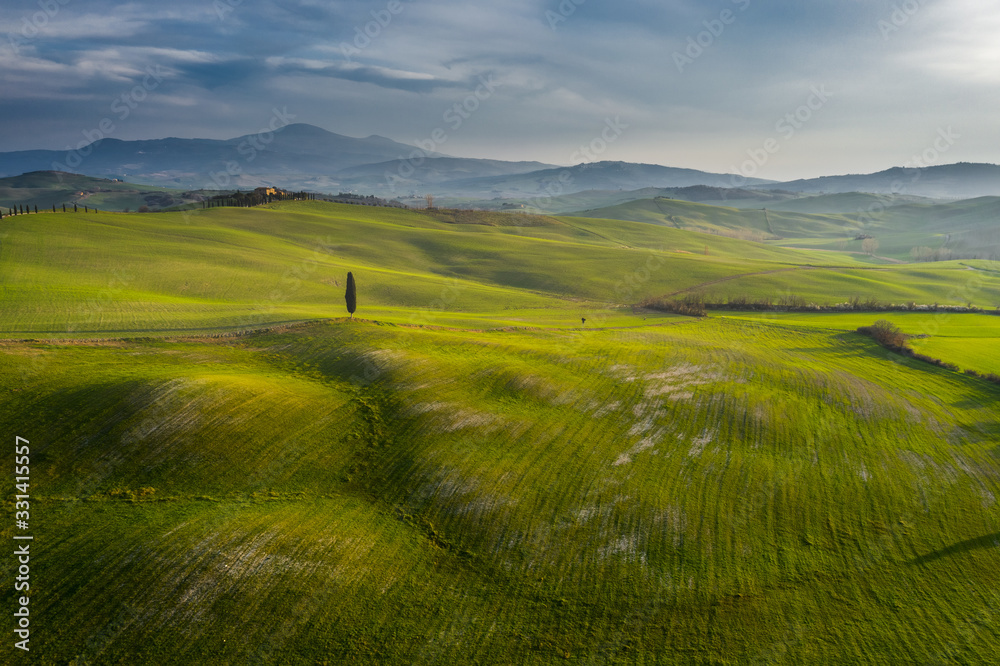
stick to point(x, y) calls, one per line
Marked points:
point(955, 41)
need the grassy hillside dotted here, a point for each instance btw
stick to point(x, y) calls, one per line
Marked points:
point(903, 230)
point(53, 188)
point(849, 203)
point(225, 269)
point(593, 199)
point(970, 341)
point(225, 470)
point(707, 492)
point(725, 219)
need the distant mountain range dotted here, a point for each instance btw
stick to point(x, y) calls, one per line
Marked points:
point(300, 156)
point(556, 181)
point(963, 180)
point(279, 158)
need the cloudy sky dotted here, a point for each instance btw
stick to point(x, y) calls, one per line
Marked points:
point(782, 88)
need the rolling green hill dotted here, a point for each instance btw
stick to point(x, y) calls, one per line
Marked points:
point(705, 492)
point(849, 203)
point(54, 188)
point(968, 229)
point(224, 469)
point(724, 219)
point(228, 269)
point(969, 341)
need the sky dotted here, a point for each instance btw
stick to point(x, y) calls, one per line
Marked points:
point(780, 89)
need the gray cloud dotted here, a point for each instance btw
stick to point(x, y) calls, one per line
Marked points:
point(700, 84)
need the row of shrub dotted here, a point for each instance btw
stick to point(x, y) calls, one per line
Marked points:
point(691, 305)
point(927, 254)
point(988, 376)
point(23, 210)
point(361, 200)
point(696, 305)
point(892, 337)
point(792, 303)
point(490, 218)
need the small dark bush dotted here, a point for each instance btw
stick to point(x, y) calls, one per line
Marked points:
point(886, 333)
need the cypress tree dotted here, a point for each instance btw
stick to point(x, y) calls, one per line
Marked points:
point(64, 208)
point(36, 208)
point(74, 208)
point(351, 296)
point(53, 208)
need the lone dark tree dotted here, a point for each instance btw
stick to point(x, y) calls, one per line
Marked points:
point(351, 295)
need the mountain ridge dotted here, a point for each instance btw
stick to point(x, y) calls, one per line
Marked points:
point(960, 180)
point(303, 156)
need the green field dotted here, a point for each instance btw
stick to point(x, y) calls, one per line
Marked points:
point(46, 189)
point(225, 469)
point(79, 275)
point(971, 341)
point(904, 231)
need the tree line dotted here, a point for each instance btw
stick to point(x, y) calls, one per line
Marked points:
point(21, 209)
point(697, 305)
point(257, 197)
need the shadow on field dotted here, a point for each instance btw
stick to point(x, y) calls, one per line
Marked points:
point(988, 541)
